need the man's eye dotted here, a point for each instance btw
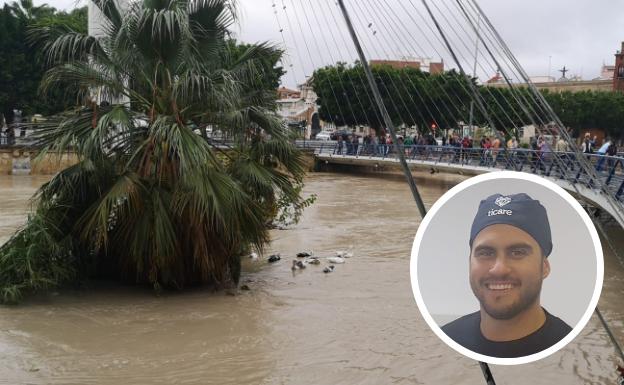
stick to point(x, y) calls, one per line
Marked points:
point(519, 253)
point(485, 253)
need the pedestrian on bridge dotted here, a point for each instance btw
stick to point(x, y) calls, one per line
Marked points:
point(340, 144)
point(588, 144)
point(408, 145)
point(355, 143)
point(465, 145)
point(602, 151)
point(382, 145)
point(486, 155)
point(374, 145)
point(496, 144)
point(366, 142)
point(612, 151)
point(562, 145)
point(562, 148)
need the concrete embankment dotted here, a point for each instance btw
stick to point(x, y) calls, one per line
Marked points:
point(23, 160)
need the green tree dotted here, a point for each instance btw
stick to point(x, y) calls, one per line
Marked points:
point(269, 72)
point(150, 200)
point(589, 109)
point(21, 65)
point(412, 97)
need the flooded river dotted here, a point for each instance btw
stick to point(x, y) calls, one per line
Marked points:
point(358, 325)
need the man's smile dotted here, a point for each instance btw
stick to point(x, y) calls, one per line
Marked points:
point(500, 286)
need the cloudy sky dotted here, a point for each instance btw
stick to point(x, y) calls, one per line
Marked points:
point(580, 35)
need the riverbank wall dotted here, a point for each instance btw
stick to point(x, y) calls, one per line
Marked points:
point(24, 161)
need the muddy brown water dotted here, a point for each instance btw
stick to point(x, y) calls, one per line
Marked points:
point(358, 325)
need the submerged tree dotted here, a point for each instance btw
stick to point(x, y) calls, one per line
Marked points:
point(153, 199)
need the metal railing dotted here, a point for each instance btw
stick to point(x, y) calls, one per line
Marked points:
point(558, 165)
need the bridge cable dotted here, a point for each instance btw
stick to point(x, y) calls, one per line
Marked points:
point(579, 155)
point(487, 89)
point(307, 20)
point(432, 77)
point(382, 108)
point(484, 366)
point(463, 42)
point(331, 87)
point(416, 23)
point(338, 70)
point(358, 73)
point(396, 17)
point(385, 69)
point(285, 55)
point(473, 88)
point(445, 42)
point(460, 83)
point(298, 51)
point(405, 88)
point(611, 335)
point(597, 310)
point(561, 164)
point(513, 89)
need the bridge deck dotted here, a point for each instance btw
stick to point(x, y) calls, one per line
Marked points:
point(567, 173)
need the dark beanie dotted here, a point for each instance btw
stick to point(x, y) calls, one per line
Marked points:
point(519, 210)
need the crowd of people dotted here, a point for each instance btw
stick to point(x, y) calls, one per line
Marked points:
point(489, 149)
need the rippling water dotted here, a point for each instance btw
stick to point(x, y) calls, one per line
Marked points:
point(358, 325)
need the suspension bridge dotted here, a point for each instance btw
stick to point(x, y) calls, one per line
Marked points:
point(326, 36)
point(570, 175)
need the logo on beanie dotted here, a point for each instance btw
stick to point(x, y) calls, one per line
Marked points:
point(495, 212)
point(502, 201)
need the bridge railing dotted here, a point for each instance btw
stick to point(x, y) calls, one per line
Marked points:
point(559, 165)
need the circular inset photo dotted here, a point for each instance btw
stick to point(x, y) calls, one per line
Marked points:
point(507, 268)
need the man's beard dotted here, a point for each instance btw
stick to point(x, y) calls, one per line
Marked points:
point(529, 294)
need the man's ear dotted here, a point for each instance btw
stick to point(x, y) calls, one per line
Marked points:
point(546, 268)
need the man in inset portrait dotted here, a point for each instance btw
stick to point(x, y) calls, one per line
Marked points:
point(510, 241)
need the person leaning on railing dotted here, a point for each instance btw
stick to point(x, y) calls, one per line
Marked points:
point(612, 151)
point(602, 151)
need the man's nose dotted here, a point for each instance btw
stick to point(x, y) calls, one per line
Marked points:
point(500, 267)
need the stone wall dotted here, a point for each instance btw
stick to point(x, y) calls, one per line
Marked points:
point(572, 86)
point(25, 163)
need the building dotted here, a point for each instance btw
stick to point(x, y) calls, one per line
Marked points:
point(300, 106)
point(606, 73)
point(287, 93)
point(611, 79)
point(574, 84)
point(292, 110)
point(425, 65)
point(496, 79)
point(618, 74)
point(542, 79)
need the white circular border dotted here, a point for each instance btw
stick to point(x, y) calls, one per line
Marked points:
point(506, 175)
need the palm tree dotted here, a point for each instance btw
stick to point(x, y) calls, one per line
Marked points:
point(153, 199)
point(27, 11)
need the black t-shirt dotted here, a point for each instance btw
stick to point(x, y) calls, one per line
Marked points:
point(466, 331)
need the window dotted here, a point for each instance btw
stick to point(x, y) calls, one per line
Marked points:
point(621, 71)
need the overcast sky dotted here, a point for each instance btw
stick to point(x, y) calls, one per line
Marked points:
point(580, 35)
